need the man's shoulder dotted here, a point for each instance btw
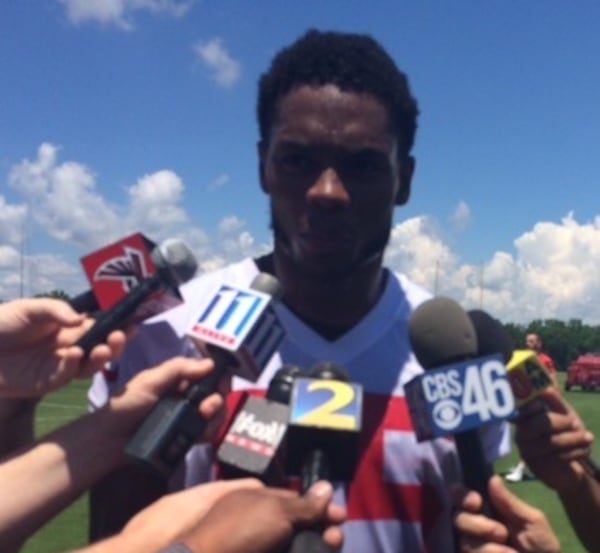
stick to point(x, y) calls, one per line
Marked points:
point(415, 293)
point(547, 361)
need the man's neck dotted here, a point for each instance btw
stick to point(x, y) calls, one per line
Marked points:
point(330, 307)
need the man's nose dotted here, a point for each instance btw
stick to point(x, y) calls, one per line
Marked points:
point(328, 190)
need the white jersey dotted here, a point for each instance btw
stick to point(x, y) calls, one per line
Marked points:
point(398, 500)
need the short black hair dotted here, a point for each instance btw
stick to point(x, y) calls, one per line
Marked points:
point(354, 63)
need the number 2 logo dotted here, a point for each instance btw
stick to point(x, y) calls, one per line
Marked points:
point(328, 414)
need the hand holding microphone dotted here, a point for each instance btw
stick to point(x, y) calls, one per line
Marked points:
point(37, 354)
point(240, 333)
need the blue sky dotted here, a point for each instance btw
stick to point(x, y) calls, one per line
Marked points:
point(125, 115)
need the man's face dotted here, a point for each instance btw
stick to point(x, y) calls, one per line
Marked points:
point(533, 342)
point(333, 173)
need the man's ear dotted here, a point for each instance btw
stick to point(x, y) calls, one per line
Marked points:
point(407, 168)
point(261, 148)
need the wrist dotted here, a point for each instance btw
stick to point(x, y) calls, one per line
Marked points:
point(578, 485)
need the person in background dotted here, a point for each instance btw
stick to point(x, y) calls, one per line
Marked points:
point(534, 343)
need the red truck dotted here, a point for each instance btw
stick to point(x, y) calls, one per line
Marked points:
point(584, 372)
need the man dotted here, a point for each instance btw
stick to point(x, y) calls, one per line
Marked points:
point(534, 343)
point(337, 123)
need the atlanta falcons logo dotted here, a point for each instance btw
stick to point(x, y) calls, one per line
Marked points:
point(130, 269)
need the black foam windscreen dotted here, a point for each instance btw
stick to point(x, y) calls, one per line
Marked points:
point(491, 336)
point(441, 332)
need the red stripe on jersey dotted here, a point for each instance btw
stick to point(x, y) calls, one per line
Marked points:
point(370, 497)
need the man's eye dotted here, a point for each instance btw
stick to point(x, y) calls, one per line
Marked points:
point(368, 166)
point(294, 162)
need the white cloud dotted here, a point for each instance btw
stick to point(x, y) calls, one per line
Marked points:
point(225, 70)
point(552, 274)
point(65, 204)
point(120, 12)
point(461, 216)
point(155, 204)
point(551, 271)
point(220, 181)
point(63, 199)
point(12, 222)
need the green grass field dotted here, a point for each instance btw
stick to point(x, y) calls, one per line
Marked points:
point(69, 530)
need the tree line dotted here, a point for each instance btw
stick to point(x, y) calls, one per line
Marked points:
point(563, 341)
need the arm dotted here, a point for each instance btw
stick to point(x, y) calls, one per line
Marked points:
point(553, 442)
point(148, 532)
point(16, 424)
point(120, 495)
point(70, 460)
point(238, 516)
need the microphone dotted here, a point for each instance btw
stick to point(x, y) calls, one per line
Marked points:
point(528, 379)
point(241, 332)
point(459, 391)
point(323, 433)
point(491, 336)
point(324, 426)
point(113, 271)
point(174, 263)
point(253, 440)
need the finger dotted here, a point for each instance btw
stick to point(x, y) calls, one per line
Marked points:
point(564, 443)
point(210, 406)
point(543, 425)
point(166, 375)
point(116, 342)
point(333, 537)
point(555, 402)
point(470, 501)
point(336, 514)
point(475, 545)
point(44, 310)
point(480, 528)
point(221, 488)
point(311, 507)
point(509, 506)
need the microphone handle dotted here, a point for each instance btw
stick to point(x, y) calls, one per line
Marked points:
point(309, 541)
point(172, 428)
point(316, 467)
point(476, 470)
point(591, 467)
point(118, 315)
point(174, 425)
point(84, 303)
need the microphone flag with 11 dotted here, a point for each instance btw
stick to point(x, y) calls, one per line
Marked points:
point(238, 318)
